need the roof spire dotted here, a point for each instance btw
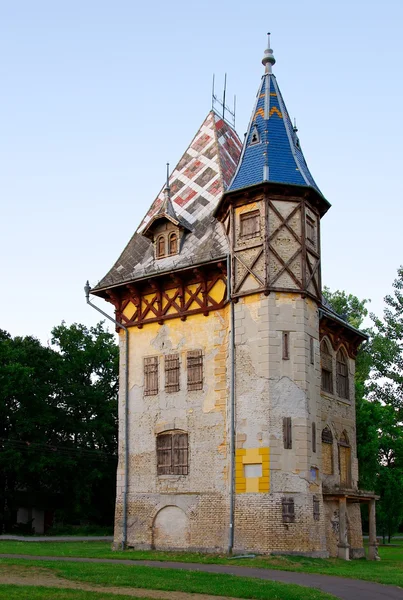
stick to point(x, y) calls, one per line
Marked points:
point(268, 59)
point(167, 190)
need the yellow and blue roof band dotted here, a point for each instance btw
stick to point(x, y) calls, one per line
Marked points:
point(277, 150)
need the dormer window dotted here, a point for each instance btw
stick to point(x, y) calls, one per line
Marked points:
point(166, 243)
point(160, 247)
point(173, 244)
point(255, 138)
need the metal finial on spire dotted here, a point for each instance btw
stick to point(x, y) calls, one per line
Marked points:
point(167, 190)
point(268, 59)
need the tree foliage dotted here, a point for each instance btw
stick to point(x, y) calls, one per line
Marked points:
point(58, 423)
point(379, 401)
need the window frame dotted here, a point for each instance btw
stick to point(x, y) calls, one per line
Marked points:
point(195, 370)
point(151, 368)
point(287, 433)
point(172, 372)
point(288, 510)
point(175, 451)
point(173, 234)
point(158, 253)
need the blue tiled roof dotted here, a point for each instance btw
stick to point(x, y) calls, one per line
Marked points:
point(271, 142)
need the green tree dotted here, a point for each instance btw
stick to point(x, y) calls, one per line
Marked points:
point(58, 423)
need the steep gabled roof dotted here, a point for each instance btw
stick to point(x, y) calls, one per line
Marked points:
point(196, 186)
point(271, 150)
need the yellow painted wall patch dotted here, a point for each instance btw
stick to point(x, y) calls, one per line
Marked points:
point(252, 456)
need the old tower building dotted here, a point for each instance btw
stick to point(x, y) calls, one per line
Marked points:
point(237, 415)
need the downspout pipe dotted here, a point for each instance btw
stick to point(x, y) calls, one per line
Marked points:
point(232, 410)
point(87, 289)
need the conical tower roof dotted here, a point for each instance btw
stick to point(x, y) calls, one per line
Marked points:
point(196, 186)
point(271, 150)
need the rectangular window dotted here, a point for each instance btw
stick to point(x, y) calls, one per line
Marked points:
point(287, 433)
point(311, 351)
point(250, 224)
point(150, 375)
point(313, 437)
point(288, 510)
point(311, 231)
point(316, 510)
point(172, 373)
point(286, 345)
point(195, 370)
point(172, 454)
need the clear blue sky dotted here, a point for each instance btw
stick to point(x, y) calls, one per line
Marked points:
point(96, 96)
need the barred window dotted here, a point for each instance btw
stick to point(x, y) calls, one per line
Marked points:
point(326, 364)
point(316, 508)
point(250, 224)
point(195, 370)
point(172, 373)
point(287, 432)
point(288, 510)
point(342, 383)
point(150, 375)
point(172, 453)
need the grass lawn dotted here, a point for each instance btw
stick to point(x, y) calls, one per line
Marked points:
point(174, 580)
point(389, 570)
point(23, 592)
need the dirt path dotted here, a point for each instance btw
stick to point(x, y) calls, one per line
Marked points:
point(36, 576)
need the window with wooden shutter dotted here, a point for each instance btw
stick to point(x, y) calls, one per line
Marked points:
point(316, 508)
point(195, 370)
point(173, 244)
point(172, 373)
point(150, 375)
point(313, 437)
point(342, 383)
point(288, 510)
point(160, 247)
point(164, 454)
point(326, 364)
point(250, 224)
point(287, 432)
point(172, 453)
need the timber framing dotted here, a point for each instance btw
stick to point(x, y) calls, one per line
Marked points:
point(178, 294)
point(340, 333)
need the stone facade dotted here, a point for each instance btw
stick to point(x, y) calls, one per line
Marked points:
point(266, 435)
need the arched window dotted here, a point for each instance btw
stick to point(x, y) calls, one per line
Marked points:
point(327, 451)
point(326, 364)
point(345, 460)
point(342, 383)
point(173, 244)
point(172, 453)
point(160, 246)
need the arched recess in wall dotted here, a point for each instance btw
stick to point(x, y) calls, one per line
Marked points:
point(170, 529)
point(327, 451)
point(345, 460)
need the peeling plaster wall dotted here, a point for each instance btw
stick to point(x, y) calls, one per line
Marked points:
point(202, 495)
point(269, 388)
